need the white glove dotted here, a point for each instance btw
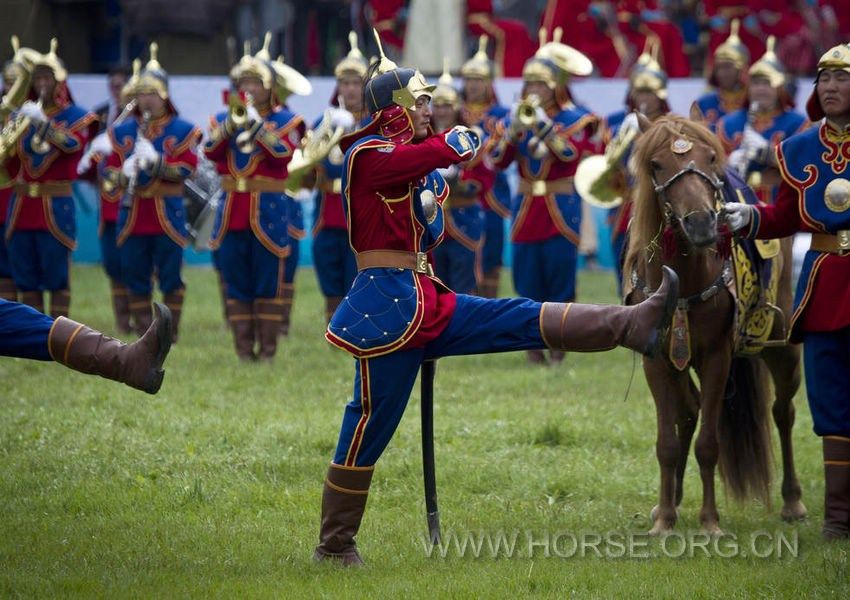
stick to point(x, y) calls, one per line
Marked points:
point(339, 117)
point(739, 161)
point(85, 162)
point(754, 144)
point(630, 122)
point(145, 151)
point(253, 114)
point(303, 195)
point(33, 111)
point(449, 172)
point(130, 168)
point(101, 144)
point(738, 215)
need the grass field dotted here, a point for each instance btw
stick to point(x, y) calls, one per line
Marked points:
point(212, 488)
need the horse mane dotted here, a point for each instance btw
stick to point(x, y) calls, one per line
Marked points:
point(646, 223)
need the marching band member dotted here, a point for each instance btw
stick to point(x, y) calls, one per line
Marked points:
point(814, 196)
point(728, 77)
point(398, 314)
point(8, 173)
point(749, 135)
point(41, 227)
point(152, 154)
point(547, 135)
point(251, 145)
point(481, 110)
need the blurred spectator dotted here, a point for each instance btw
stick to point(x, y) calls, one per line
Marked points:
point(513, 43)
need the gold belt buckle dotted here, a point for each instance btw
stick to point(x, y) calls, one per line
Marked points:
point(33, 189)
point(538, 187)
point(337, 186)
point(421, 262)
point(241, 184)
point(843, 241)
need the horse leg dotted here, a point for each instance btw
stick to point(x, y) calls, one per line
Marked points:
point(663, 388)
point(784, 365)
point(713, 373)
point(686, 424)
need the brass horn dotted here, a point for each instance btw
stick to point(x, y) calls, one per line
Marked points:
point(527, 111)
point(599, 178)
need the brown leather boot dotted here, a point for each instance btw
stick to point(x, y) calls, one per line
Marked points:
point(836, 463)
point(140, 311)
point(222, 290)
point(120, 305)
point(489, 287)
point(536, 357)
point(34, 299)
point(267, 317)
point(288, 296)
point(331, 304)
point(592, 328)
point(556, 357)
point(60, 303)
point(343, 502)
point(174, 302)
point(8, 289)
point(139, 364)
point(241, 317)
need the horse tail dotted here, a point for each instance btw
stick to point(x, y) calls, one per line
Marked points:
point(746, 457)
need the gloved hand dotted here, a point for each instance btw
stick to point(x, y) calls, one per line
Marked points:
point(33, 111)
point(101, 145)
point(448, 173)
point(462, 139)
point(738, 215)
point(253, 114)
point(85, 162)
point(339, 117)
point(755, 146)
point(130, 168)
point(739, 161)
point(145, 151)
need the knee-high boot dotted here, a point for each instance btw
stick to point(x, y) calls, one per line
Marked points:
point(331, 304)
point(343, 502)
point(140, 311)
point(489, 287)
point(60, 303)
point(34, 299)
point(592, 328)
point(267, 316)
point(288, 296)
point(174, 302)
point(8, 289)
point(836, 465)
point(120, 305)
point(241, 317)
point(139, 364)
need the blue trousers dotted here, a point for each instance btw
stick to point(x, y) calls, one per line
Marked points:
point(23, 331)
point(494, 241)
point(292, 260)
point(109, 252)
point(39, 261)
point(141, 254)
point(334, 262)
point(5, 266)
point(826, 359)
point(546, 271)
point(382, 385)
point(454, 263)
point(249, 270)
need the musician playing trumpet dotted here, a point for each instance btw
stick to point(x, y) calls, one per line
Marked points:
point(251, 145)
point(152, 154)
point(41, 226)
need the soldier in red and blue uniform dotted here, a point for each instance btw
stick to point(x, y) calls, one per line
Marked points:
point(457, 260)
point(397, 313)
point(481, 110)
point(750, 134)
point(41, 224)
point(251, 230)
point(814, 196)
point(332, 255)
point(728, 78)
point(8, 174)
point(152, 155)
point(548, 145)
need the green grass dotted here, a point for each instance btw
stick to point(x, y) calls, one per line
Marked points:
point(213, 487)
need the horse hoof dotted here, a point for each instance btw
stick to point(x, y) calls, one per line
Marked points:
point(660, 529)
point(712, 529)
point(794, 511)
point(653, 514)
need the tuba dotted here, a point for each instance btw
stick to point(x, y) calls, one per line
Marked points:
point(15, 127)
point(598, 178)
point(315, 146)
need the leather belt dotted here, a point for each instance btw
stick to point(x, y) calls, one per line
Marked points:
point(393, 259)
point(461, 201)
point(539, 187)
point(37, 189)
point(331, 186)
point(158, 189)
point(838, 243)
point(253, 184)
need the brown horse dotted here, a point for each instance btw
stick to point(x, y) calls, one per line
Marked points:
point(680, 179)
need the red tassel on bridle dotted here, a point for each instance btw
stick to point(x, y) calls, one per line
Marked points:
point(669, 243)
point(724, 241)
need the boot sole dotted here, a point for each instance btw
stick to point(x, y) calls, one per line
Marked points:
point(654, 348)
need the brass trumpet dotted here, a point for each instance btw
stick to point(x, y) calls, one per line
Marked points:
point(527, 111)
point(237, 110)
point(599, 178)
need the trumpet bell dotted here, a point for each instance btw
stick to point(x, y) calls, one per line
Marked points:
point(599, 183)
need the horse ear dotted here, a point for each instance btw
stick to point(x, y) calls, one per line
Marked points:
point(696, 113)
point(643, 122)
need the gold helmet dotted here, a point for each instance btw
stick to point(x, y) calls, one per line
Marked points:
point(354, 63)
point(733, 49)
point(566, 58)
point(52, 61)
point(647, 73)
point(128, 92)
point(479, 66)
point(445, 93)
point(288, 81)
point(258, 65)
point(836, 58)
point(153, 78)
point(769, 66)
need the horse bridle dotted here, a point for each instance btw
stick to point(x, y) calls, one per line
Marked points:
point(661, 188)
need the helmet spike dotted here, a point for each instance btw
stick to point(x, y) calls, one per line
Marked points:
point(734, 28)
point(556, 35)
point(482, 44)
point(771, 44)
point(541, 36)
point(16, 43)
point(352, 40)
point(386, 64)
